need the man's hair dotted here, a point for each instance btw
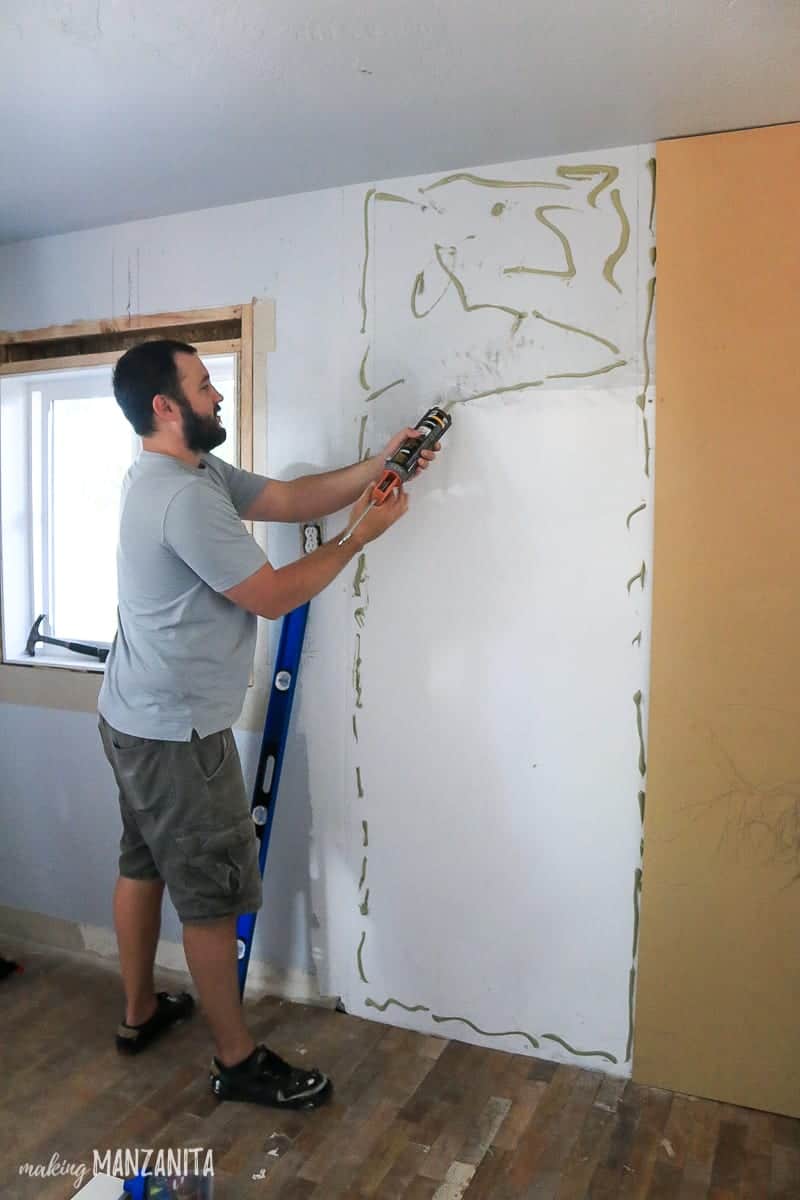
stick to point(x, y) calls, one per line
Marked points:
point(145, 371)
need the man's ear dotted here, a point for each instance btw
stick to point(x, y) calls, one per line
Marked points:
point(165, 408)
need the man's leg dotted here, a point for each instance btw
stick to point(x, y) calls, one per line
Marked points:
point(241, 1070)
point(210, 863)
point(210, 948)
point(137, 920)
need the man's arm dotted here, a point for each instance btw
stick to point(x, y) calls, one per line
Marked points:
point(312, 496)
point(320, 495)
point(272, 592)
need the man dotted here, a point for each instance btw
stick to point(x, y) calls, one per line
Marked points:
point(191, 582)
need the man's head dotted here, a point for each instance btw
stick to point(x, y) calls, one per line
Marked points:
point(163, 388)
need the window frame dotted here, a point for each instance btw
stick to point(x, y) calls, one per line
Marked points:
point(225, 330)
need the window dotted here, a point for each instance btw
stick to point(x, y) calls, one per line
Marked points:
point(64, 449)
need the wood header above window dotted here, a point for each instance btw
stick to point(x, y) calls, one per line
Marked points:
point(93, 343)
point(212, 328)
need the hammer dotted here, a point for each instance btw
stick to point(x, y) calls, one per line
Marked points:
point(100, 652)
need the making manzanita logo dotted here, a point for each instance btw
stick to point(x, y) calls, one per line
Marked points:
point(194, 1161)
point(170, 1164)
point(55, 1167)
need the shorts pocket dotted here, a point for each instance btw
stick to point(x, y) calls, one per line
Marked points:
point(218, 864)
point(213, 753)
point(126, 741)
point(115, 739)
point(142, 769)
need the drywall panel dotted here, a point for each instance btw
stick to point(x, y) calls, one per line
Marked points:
point(479, 876)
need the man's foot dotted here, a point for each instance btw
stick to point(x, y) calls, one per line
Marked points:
point(131, 1039)
point(264, 1078)
point(7, 967)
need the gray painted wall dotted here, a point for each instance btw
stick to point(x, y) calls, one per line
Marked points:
point(60, 831)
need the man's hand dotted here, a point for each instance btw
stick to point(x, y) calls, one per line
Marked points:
point(396, 442)
point(378, 520)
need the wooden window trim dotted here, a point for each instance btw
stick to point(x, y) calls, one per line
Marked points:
point(225, 330)
point(95, 343)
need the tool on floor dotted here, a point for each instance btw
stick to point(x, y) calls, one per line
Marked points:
point(160, 1187)
point(35, 636)
point(273, 745)
point(403, 463)
point(7, 967)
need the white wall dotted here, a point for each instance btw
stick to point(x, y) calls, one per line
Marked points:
point(497, 756)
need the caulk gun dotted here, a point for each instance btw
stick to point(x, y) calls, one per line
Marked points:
point(403, 463)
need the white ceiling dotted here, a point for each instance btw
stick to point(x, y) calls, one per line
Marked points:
point(117, 109)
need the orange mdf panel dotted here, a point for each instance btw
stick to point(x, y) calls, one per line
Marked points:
point(718, 994)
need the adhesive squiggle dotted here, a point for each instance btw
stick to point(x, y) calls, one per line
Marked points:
point(359, 960)
point(637, 700)
point(488, 1032)
point(392, 197)
point(624, 239)
point(646, 429)
point(640, 575)
point(651, 166)
point(362, 372)
point(582, 173)
point(639, 508)
point(569, 270)
point(418, 289)
point(362, 430)
point(367, 199)
point(637, 891)
point(553, 1037)
point(378, 196)
point(621, 362)
point(651, 295)
point(519, 317)
point(631, 990)
point(380, 391)
point(357, 672)
point(514, 387)
point(538, 316)
point(361, 574)
point(383, 1007)
point(480, 181)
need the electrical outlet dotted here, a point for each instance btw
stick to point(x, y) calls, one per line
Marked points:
point(311, 536)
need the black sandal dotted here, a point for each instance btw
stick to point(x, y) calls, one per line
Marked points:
point(131, 1039)
point(264, 1078)
point(7, 967)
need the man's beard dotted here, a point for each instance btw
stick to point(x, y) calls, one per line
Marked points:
point(201, 434)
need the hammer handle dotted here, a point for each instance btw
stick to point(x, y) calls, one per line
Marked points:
point(79, 647)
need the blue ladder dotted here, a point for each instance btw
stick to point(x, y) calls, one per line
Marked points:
point(268, 775)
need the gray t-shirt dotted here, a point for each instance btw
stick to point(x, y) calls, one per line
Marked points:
point(182, 655)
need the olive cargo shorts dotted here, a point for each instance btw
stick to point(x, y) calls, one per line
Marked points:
point(186, 820)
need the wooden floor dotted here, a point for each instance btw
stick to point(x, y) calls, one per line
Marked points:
point(413, 1118)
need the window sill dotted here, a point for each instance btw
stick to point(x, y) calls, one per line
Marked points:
point(68, 662)
point(44, 684)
